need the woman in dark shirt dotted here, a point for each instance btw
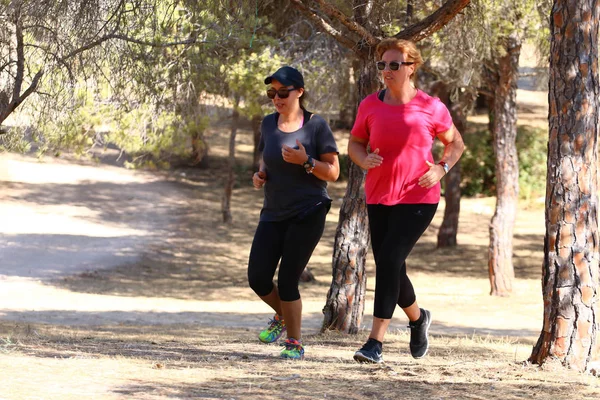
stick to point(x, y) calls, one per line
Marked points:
point(299, 157)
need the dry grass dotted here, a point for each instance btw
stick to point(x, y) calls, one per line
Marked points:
point(188, 361)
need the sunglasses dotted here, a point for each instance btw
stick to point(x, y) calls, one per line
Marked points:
point(283, 93)
point(394, 65)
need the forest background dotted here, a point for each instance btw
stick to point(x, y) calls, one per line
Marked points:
point(166, 98)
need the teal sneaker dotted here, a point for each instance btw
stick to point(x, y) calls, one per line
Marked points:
point(274, 330)
point(293, 349)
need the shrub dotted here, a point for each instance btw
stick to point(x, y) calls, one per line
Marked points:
point(478, 163)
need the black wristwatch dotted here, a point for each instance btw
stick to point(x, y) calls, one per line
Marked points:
point(445, 166)
point(309, 165)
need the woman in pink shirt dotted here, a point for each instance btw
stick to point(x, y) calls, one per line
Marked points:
point(399, 125)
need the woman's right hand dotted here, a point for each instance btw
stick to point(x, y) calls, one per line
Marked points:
point(372, 160)
point(258, 179)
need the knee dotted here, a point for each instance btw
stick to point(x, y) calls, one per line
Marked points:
point(288, 291)
point(260, 285)
point(406, 299)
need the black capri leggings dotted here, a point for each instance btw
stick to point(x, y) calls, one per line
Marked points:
point(292, 241)
point(394, 232)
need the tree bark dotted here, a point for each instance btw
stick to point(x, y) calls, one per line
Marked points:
point(449, 228)
point(501, 270)
point(570, 283)
point(344, 308)
point(230, 181)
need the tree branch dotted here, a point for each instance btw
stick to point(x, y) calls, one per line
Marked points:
point(327, 28)
point(353, 26)
point(415, 32)
point(6, 65)
point(20, 59)
point(19, 99)
point(434, 22)
point(191, 40)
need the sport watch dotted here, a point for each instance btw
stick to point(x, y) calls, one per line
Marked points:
point(309, 165)
point(445, 166)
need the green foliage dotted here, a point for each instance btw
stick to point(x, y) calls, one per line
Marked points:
point(245, 78)
point(478, 163)
point(532, 148)
point(153, 137)
point(344, 166)
point(13, 139)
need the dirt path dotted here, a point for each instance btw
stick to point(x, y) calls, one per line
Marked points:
point(68, 230)
point(61, 219)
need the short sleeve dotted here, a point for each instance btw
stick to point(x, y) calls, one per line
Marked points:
point(324, 138)
point(360, 128)
point(261, 142)
point(442, 120)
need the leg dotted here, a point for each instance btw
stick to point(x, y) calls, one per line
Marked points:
point(272, 299)
point(264, 256)
point(371, 351)
point(292, 314)
point(300, 241)
point(407, 222)
point(379, 327)
point(413, 312)
point(394, 232)
point(418, 217)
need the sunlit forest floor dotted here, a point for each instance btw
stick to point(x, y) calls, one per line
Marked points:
point(126, 284)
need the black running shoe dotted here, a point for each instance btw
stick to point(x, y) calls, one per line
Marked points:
point(371, 352)
point(419, 343)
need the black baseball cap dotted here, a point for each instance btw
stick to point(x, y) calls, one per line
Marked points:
point(287, 76)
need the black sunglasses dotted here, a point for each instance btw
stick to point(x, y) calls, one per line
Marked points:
point(283, 93)
point(394, 65)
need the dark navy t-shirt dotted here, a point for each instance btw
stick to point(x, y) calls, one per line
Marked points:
point(289, 190)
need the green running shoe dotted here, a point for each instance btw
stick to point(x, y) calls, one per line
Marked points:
point(274, 330)
point(293, 349)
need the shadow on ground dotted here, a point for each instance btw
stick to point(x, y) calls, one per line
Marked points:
point(242, 368)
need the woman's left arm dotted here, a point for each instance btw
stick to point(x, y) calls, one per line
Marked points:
point(453, 146)
point(453, 149)
point(327, 167)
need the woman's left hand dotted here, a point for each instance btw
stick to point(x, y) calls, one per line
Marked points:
point(294, 156)
point(434, 175)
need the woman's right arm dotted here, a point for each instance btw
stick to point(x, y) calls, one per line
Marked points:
point(259, 178)
point(357, 150)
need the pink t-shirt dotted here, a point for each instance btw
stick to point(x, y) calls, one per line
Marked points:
point(404, 135)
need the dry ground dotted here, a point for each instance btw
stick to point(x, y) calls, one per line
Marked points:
point(172, 316)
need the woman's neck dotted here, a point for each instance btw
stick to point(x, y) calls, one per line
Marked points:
point(290, 122)
point(292, 116)
point(400, 95)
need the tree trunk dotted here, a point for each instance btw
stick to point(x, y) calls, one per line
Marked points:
point(345, 299)
point(570, 283)
point(256, 120)
point(449, 228)
point(501, 270)
point(230, 181)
